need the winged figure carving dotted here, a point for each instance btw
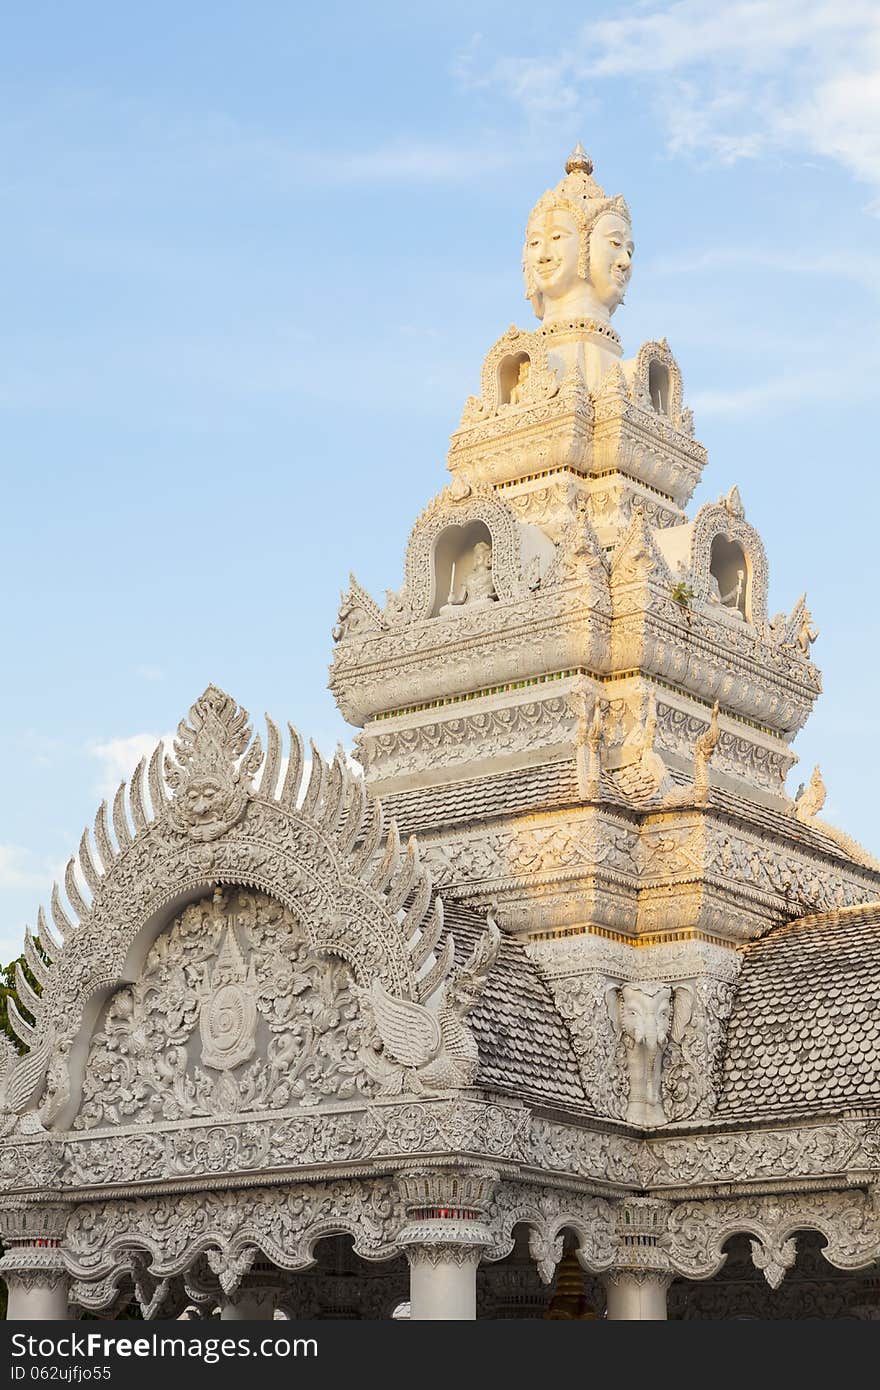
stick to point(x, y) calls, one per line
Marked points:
point(420, 1048)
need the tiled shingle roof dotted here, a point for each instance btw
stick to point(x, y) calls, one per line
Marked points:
point(804, 1034)
point(523, 789)
point(524, 1045)
point(554, 785)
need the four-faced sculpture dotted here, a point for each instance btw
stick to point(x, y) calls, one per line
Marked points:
point(578, 253)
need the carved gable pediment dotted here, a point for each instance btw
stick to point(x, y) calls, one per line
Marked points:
point(233, 1011)
point(219, 1006)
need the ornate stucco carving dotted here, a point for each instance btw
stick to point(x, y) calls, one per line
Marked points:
point(448, 510)
point(246, 1010)
point(723, 519)
point(387, 753)
point(420, 1050)
point(327, 860)
point(850, 1221)
point(348, 1133)
point(296, 1010)
point(647, 1017)
point(541, 383)
point(648, 1027)
point(283, 1223)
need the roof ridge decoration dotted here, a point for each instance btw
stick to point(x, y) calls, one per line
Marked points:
point(807, 805)
point(637, 559)
point(215, 764)
point(327, 855)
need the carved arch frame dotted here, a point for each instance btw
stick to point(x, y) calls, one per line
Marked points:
point(548, 1214)
point(542, 384)
point(446, 512)
point(714, 519)
point(282, 1224)
point(849, 1221)
point(328, 860)
point(662, 353)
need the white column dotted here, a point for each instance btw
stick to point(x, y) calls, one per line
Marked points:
point(36, 1295)
point(443, 1282)
point(636, 1294)
point(444, 1238)
point(33, 1266)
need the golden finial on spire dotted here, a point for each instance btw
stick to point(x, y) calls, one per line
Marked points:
point(579, 162)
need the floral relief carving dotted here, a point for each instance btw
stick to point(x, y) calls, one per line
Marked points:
point(283, 1223)
point(293, 1139)
point(538, 849)
point(197, 985)
point(465, 738)
point(850, 1222)
point(582, 1004)
point(691, 1078)
point(548, 1213)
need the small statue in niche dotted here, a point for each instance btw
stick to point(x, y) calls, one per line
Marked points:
point(732, 599)
point(520, 387)
point(478, 588)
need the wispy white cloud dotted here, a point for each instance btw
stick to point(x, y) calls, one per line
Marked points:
point(20, 868)
point(730, 81)
point(847, 381)
point(118, 758)
point(863, 268)
point(148, 672)
point(167, 150)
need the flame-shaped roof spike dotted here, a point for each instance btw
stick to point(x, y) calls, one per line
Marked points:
point(579, 162)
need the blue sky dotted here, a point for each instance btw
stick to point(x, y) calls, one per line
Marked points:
point(254, 255)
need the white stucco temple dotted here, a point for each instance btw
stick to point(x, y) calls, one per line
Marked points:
point(560, 1006)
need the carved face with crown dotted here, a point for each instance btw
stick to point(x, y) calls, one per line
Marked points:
point(210, 778)
point(577, 258)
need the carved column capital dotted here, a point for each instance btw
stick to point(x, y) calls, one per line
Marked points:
point(460, 1245)
point(23, 1222)
point(623, 1278)
point(430, 1191)
point(640, 1231)
point(33, 1264)
point(32, 1235)
point(446, 1210)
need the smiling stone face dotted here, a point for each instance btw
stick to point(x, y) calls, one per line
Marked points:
point(574, 268)
point(551, 253)
point(611, 253)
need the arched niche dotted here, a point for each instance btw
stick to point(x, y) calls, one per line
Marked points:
point(657, 382)
point(730, 572)
point(453, 560)
point(512, 380)
point(658, 386)
point(500, 374)
point(722, 544)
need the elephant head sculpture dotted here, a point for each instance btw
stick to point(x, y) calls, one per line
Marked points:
point(646, 1016)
